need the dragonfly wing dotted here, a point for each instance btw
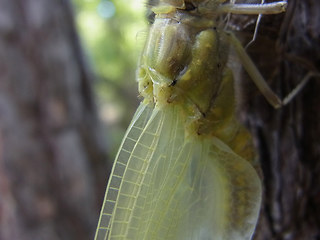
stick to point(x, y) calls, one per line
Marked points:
point(173, 187)
point(199, 190)
point(242, 192)
point(193, 189)
point(158, 210)
point(138, 201)
point(133, 133)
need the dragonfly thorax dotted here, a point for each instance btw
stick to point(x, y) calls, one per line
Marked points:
point(183, 57)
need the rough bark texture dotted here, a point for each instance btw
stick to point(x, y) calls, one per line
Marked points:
point(287, 48)
point(52, 155)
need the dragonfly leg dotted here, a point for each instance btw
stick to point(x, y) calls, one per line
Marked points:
point(256, 9)
point(255, 29)
point(260, 82)
point(299, 87)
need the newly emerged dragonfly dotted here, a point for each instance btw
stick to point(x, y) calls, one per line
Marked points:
point(185, 167)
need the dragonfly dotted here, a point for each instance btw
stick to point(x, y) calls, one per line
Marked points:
point(186, 168)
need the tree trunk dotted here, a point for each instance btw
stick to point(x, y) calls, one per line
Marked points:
point(52, 153)
point(287, 48)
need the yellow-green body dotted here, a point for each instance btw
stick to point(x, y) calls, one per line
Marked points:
point(185, 169)
point(184, 63)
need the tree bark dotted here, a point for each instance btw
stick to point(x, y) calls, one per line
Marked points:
point(286, 49)
point(52, 153)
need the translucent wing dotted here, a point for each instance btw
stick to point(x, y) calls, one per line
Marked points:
point(240, 187)
point(133, 133)
point(175, 187)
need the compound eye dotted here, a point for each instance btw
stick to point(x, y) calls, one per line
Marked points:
point(189, 6)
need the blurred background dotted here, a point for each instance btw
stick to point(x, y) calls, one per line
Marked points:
point(112, 34)
point(67, 95)
point(68, 92)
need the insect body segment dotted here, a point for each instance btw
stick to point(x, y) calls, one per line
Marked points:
point(186, 167)
point(194, 56)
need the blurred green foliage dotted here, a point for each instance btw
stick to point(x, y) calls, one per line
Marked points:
point(113, 34)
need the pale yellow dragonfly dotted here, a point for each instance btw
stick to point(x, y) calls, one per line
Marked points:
point(184, 170)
